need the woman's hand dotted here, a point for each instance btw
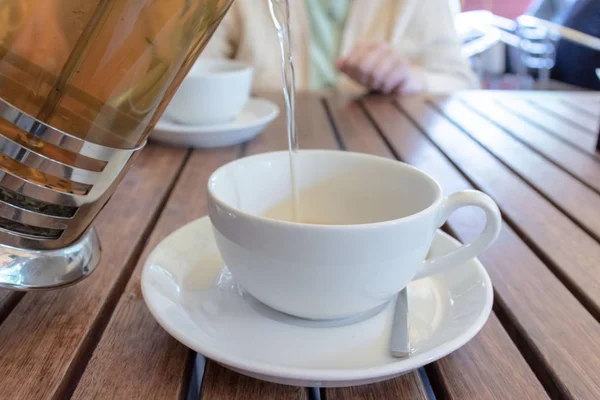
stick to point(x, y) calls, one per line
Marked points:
point(380, 68)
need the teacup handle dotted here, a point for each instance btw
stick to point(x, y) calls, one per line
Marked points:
point(482, 242)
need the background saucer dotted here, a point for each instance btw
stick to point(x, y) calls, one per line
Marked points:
point(253, 119)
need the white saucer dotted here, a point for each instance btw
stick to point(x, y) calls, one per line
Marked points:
point(255, 116)
point(195, 298)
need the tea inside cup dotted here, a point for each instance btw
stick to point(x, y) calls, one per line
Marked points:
point(334, 189)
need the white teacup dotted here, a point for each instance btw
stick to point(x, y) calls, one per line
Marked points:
point(371, 222)
point(214, 92)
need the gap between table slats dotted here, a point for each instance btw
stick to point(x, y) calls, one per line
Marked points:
point(49, 335)
point(570, 252)
point(583, 121)
point(8, 300)
point(546, 178)
point(589, 108)
point(538, 307)
point(479, 371)
point(573, 161)
point(559, 129)
point(551, 120)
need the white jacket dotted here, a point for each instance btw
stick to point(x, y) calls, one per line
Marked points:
point(422, 30)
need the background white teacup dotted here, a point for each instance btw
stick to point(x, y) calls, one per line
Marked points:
point(371, 222)
point(213, 92)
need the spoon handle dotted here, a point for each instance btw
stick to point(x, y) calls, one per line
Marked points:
point(400, 340)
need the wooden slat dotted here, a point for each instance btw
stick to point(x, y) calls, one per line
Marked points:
point(570, 134)
point(4, 295)
point(544, 312)
point(314, 132)
point(217, 381)
point(557, 335)
point(582, 204)
point(235, 386)
point(358, 134)
point(560, 95)
point(512, 82)
point(399, 388)
point(572, 252)
point(587, 107)
point(455, 372)
point(578, 163)
point(157, 365)
point(48, 336)
point(585, 121)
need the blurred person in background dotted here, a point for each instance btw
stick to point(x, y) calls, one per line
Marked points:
point(388, 46)
point(575, 64)
point(549, 10)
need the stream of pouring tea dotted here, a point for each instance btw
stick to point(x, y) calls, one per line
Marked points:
point(280, 12)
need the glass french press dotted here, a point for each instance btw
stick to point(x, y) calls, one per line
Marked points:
point(82, 82)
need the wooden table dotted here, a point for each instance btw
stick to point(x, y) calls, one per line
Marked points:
point(534, 153)
point(513, 82)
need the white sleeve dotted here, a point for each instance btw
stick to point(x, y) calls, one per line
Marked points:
point(441, 61)
point(224, 41)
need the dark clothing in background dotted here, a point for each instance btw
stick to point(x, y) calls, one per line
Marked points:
point(576, 64)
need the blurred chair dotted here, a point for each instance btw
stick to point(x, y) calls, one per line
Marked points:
point(549, 10)
point(476, 31)
point(571, 56)
point(482, 42)
point(578, 59)
point(539, 49)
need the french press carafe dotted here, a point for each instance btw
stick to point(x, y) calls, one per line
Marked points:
point(82, 83)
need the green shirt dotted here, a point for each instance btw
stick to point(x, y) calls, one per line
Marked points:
point(327, 19)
